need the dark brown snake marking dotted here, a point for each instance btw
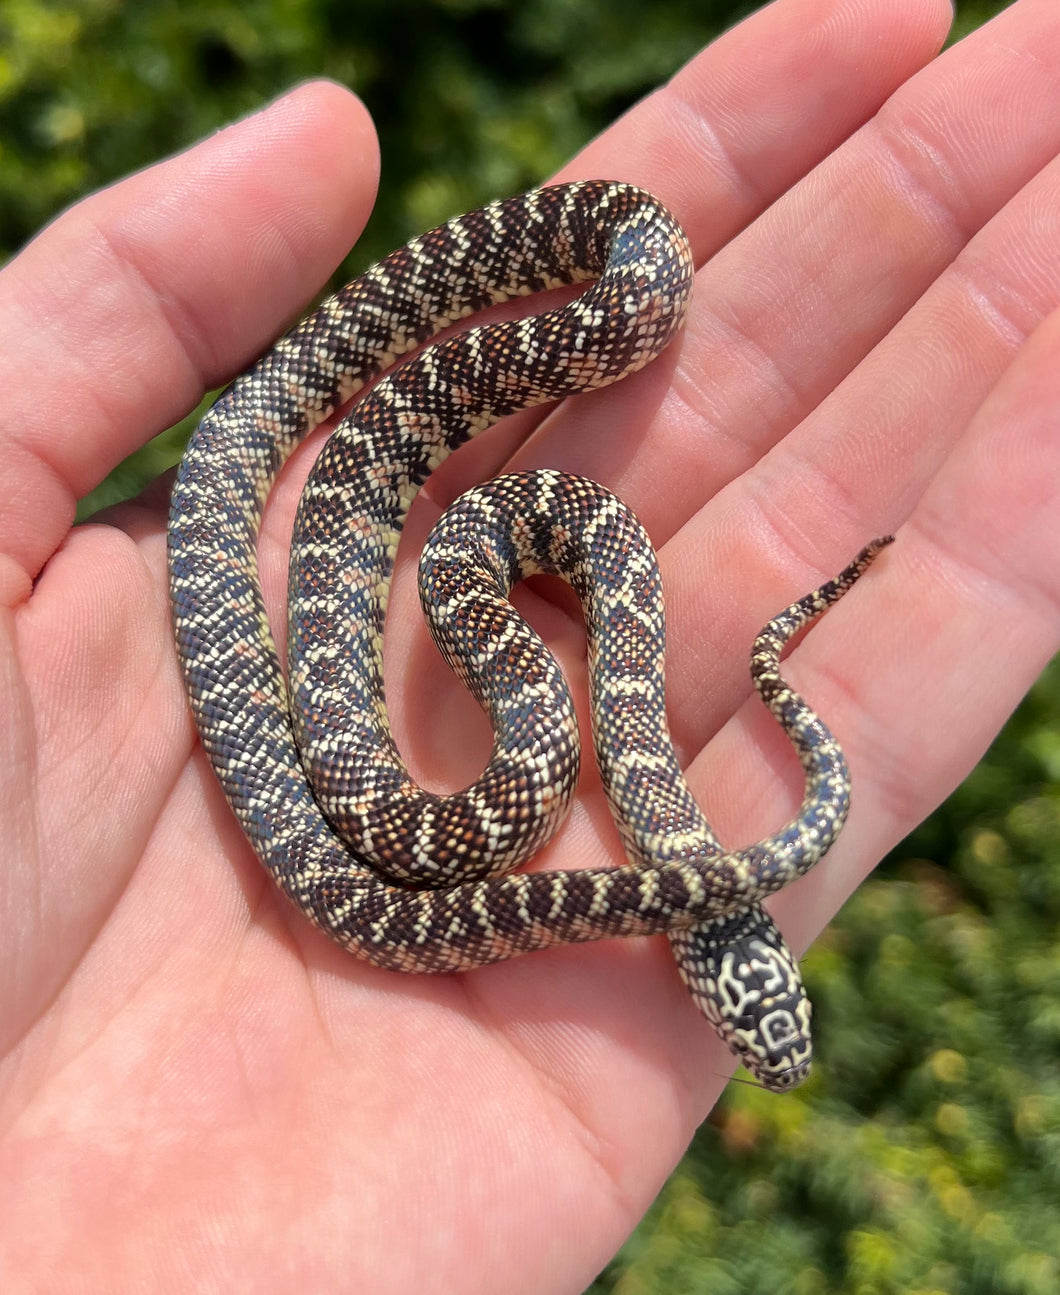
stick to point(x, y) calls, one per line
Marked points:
point(398, 894)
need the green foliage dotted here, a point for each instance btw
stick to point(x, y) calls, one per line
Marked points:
point(924, 1155)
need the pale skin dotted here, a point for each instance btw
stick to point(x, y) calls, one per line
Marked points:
point(197, 1090)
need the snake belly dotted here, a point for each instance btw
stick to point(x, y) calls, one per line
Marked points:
point(734, 960)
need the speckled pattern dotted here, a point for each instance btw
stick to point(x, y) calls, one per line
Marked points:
point(415, 885)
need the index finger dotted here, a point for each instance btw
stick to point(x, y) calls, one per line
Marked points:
point(118, 316)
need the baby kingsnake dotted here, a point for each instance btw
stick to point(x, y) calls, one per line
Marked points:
point(416, 889)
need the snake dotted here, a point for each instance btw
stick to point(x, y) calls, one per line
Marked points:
point(406, 879)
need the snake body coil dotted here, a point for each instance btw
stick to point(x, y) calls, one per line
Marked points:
point(396, 890)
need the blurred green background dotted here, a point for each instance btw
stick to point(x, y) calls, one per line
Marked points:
point(924, 1155)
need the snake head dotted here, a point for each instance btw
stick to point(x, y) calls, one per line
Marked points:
point(746, 982)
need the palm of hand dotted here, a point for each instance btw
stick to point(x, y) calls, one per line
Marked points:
point(180, 1050)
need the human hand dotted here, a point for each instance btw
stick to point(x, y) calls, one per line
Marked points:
point(198, 1090)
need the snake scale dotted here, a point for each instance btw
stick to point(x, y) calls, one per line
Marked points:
point(406, 879)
